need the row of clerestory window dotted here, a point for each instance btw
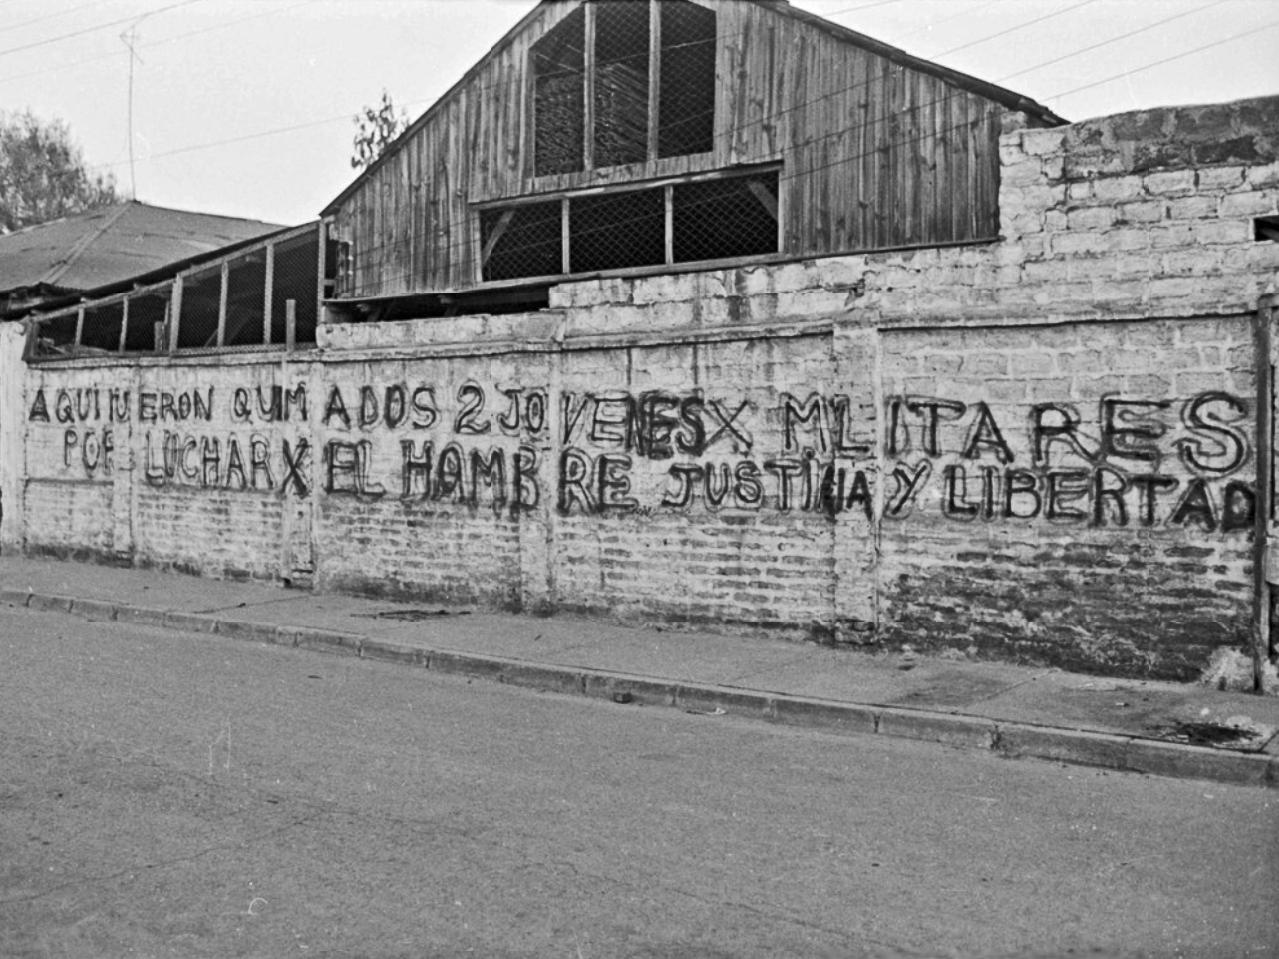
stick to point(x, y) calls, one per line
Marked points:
point(717, 218)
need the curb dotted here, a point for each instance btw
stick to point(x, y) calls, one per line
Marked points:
point(1008, 739)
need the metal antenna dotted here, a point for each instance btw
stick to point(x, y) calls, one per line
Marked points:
point(130, 39)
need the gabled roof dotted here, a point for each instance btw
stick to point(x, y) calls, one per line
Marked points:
point(114, 243)
point(1008, 98)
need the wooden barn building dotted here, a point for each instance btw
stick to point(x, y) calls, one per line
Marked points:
point(646, 136)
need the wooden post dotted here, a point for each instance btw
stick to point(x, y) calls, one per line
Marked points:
point(669, 227)
point(321, 260)
point(1262, 545)
point(175, 313)
point(654, 77)
point(222, 295)
point(290, 324)
point(79, 330)
point(124, 324)
point(160, 331)
point(268, 293)
point(566, 259)
point(588, 90)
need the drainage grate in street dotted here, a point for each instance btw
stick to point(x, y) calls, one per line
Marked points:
point(416, 615)
point(1238, 734)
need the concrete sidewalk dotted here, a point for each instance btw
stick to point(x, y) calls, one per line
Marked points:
point(1158, 728)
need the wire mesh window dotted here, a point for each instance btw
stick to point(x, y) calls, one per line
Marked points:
point(107, 326)
point(617, 230)
point(56, 336)
point(616, 69)
point(719, 219)
point(148, 316)
point(297, 278)
point(240, 302)
point(522, 241)
point(100, 332)
point(621, 82)
point(201, 299)
point(558, 65)
point(686, 104)
point(246, 294)
point(715, 219)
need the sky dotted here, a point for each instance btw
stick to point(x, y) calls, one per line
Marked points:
point(245, 107)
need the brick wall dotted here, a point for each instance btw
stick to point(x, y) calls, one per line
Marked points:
point(1043, 448)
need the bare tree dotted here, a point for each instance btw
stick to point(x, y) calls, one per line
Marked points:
point(42, 173)
point(375, 129)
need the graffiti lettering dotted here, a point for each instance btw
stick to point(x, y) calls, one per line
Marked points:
point(94, 448)
point(164, 406)
point(172, 458)
point(524, 412)
point(347, 468)
point(275, 404)
point(655, 424)
point(595, 484)
point(1215, 446)
point(392, 406)
point(472, 398)
point(828, 421)
point(510, 479)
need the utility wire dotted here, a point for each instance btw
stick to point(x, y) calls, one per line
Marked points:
point(335, 119)
point(1014, 29)
point(1182, 54)
point(519, 82)
point(48, 16)
point(157, 43)
point(1107, 42)
point(94, 29)
point(1177, 56)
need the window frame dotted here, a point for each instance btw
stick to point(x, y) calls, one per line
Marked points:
point(666, 184)
point(166, 333)
point(590, 10)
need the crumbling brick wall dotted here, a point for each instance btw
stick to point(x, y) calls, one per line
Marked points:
point(1044, 448)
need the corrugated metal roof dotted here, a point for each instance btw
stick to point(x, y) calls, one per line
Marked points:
point(114, 243)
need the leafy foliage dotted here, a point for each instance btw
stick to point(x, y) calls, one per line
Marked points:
point(42, 173)
point(375, 129)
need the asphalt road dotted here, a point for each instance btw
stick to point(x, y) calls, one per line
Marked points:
point(165, 794)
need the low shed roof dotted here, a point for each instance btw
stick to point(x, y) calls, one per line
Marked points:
point(113, 243)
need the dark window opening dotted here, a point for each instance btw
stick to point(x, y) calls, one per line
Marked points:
point(715, 219)
point(686, 105)
point(198, 325)
point(617, 230)
point(296, 277)
point(621, 82)
point(101, 332)
point(620, 64)
point(147, 316)
point(522, 241)
point(1266, 228)
point(56, 336)
point(719, 219)
point(417, 306)
point(558, 66)
point(246, 299)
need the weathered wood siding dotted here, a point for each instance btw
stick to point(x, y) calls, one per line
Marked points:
point(874, 154)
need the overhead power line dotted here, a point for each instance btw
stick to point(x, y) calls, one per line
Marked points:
point(1176, 56)
point(157, 43)
point(48, 16)
point(94, 29)
point(345, 117)
point(1013, 29)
